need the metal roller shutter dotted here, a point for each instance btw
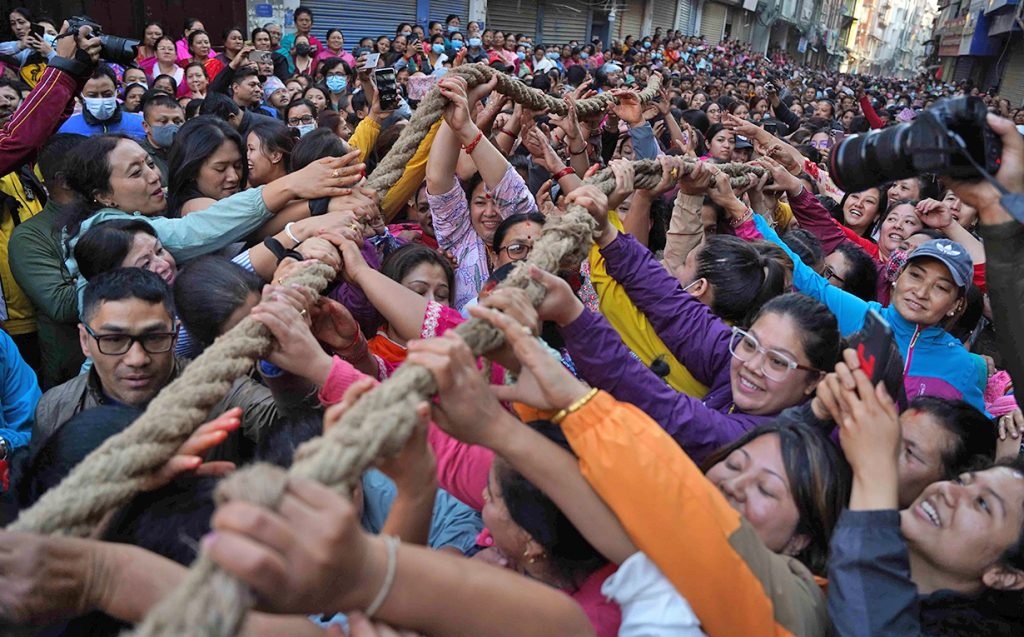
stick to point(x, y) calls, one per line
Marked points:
point(441, 9)
point(664, 15)
point(630, 19)
point(1012, 86)
point(517, 16)
point(712, 22)
point(358, 19)
point(684, 14)
point(563, 23)
point(962, 71)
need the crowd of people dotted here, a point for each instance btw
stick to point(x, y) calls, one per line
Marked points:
point(685, 437)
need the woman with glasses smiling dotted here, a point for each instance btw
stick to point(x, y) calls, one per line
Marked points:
point(752, 374)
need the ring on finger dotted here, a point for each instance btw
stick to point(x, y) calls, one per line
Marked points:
point(336, 174)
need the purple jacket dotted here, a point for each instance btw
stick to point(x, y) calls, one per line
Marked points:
point(695, 336)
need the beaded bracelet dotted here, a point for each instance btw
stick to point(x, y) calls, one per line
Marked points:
point(576, 406)
point(747, 216)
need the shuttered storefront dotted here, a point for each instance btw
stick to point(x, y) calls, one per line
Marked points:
point(684, 13)
point(563, 22)
point(441, 9)
point(664, 15)
point(1012, 86)
point(358, 19)
point(712, 22)
point(630, 20)
point(517, 16)
point(963, 67)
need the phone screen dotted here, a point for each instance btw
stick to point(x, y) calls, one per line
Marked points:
point(260, 57)
point(38, 30)
point(371, 60)
point(387, 89)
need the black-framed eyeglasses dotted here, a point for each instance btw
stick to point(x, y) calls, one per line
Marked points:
point(517, 251)
point(829, 273)
point(776, 365)
point(117, 344)
point(295, 121)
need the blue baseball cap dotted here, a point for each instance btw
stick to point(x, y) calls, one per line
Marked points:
point(953, 255)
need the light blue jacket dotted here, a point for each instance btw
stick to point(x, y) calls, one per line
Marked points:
point(935, 363)
point(201, 232)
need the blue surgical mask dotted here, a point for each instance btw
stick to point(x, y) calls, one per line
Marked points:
point(50, 39)
point(554, 55)
point(452, 28)
point(163, 136)
point(437, 48)
point(456, 45)
point(102, 108)
point(647, 45)
point(474, 42)
point(520, 55)
point(336, 83)
point(305, 128)
point(584, 55)
point(406, 33)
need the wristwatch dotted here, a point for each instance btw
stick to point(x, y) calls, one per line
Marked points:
point(5, 448)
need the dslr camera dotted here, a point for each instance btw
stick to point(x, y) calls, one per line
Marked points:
point(929, 144)
point(113, 48)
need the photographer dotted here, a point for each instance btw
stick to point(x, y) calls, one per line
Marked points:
point(51, 101)
point(1004, 243)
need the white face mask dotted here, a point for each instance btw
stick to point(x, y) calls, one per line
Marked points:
point(102, 108)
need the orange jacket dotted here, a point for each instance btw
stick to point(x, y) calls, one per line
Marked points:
point(683, 524)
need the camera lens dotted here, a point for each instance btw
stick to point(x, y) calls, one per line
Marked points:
point(118, 50)
point(863, 161)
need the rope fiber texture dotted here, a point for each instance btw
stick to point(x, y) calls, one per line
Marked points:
point(210, 602)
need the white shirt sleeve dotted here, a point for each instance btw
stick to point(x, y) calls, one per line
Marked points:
point(650, 605)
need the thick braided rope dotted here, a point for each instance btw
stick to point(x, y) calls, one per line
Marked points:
point(115, 472)
point(209, 603)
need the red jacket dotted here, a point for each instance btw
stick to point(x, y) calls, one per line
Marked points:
point(38, 117)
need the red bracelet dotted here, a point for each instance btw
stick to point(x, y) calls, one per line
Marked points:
point(507, 132)
point(568, 170)
point(471, 146)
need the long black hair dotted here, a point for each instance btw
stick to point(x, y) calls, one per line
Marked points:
point(207, 292)
point(104, 246)
point(87, 173)
point(196, 141)
point(741, 278)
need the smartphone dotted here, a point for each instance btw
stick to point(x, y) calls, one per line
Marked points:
point(261, 57)
point(879, 356)
point(371, 60)
point(387, 88)
point(770, 127)
point(38, 30)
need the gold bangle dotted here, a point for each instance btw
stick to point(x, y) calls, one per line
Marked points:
point(576, 406)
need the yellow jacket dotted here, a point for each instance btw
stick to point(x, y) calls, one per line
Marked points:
point(21, 315)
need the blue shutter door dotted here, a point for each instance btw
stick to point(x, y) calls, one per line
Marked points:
point(517, 16)
point(358, 19)
point(563, 22)
point(441, 9)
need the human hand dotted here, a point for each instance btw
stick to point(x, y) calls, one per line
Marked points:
point(328, 177)
point(333, 325)
point(597, 204)
point(698, 180)
point(456, 113)
point(570, 124)
point(721, 191)
point(1011, 425)
point(622, 169)
point(466, 410)
point(45, 578)
point(189, 458)
point(242, 57)
point(355, 264)
point(40, 45)
point(320, 249)
point(360, 626)
point(560, 304)
point(310, 556)
point(540, 150)
point(543, 382)
point(480, 91)
point(781, 179)
point(627, 107)
point(545, 204)
point(295, 349)
point(84, 41)
point(981, 194)
point(868, 419)
point(934, 214)
point(739, 126)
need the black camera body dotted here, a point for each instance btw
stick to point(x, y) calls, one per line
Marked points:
point(926, 145)
point(112, 47)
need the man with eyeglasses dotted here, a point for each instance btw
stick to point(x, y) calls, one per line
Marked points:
point(128, 330)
